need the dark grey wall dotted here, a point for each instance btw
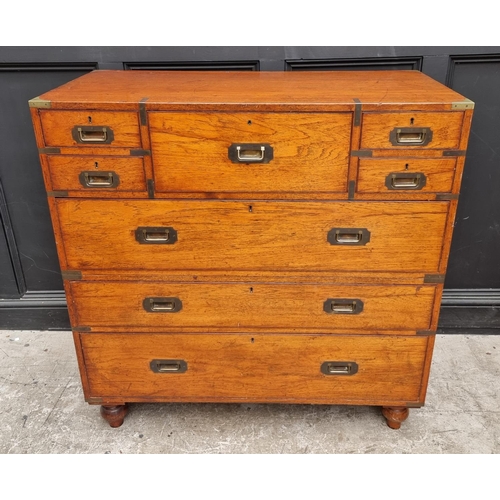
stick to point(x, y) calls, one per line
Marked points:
point(31, 293)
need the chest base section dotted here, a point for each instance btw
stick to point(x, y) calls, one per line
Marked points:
point(380, 370)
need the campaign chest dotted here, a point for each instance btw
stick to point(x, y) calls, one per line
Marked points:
point(264, 237)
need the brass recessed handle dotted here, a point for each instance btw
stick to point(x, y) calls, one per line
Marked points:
point(405, 180)
point(343, 306)
point(348, 236)
point(250, 153)
point(91, 179)
point(86, 134)
point(156, 235)
point(162, 304)
point(410, 136)
point(339, 368)
point(168, 365)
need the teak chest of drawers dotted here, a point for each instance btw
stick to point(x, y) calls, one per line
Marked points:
point(256, 237)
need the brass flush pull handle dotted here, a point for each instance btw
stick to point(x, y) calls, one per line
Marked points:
point(85, 134)
point(91, 179)
point(339, 368)
point(250, 153)
point(156, 235)
point(348, 236)
point(410, 136)
point(343, 306)
point(405, 180)
point(162, 304)
point(168, 365)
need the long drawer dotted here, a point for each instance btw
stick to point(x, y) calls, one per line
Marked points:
point(371, 309)
point(161, 235)
point(255, 368)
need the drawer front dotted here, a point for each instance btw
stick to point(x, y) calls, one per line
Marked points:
point(97, 173)
point(411, 130)
point(406, 175)
point(199, 152)
point(255, 367)
point(253, 305)
point(160, 235)
point(90, 129)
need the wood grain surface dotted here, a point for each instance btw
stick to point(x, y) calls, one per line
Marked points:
point(439, 173)
point(190, 151)
point(58, 126)
point(279, 236)
point(252, 305)
point(446, 129)
point(251, 264)
point(65, 171)
point(255, 368)
point(257, 91)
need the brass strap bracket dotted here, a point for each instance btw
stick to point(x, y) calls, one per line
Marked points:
point(462, 105)
point(94, 401)
point(49, 151)
point(57, 194)
point(36, 102)
point(151, 188)
point(446, 197)
point(455, 152)
point(363, 153)
point(140, 152)
point(434, 278)
point(357, 112)
point(414, 405)
point(351, 189)
point(81, 329)
point(142, 111)
point(71, 275)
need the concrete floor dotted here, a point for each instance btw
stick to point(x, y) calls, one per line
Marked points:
point(42, 411)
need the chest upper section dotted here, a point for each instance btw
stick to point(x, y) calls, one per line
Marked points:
point(261, 135)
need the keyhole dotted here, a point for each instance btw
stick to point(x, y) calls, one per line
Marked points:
point(406, 166)
point(249, 122)
point(96, 165)
point(251, 289)
point(252, 340)
point(250, 208)
point(90, 119)
point(411, 121)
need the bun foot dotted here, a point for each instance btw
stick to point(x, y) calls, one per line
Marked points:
point(395, 415)
point(114, 415)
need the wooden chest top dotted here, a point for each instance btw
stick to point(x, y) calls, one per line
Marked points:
point(304, 91)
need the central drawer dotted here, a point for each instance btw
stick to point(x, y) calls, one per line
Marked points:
point(222, 306)
point(163, 235)
point(222, 152)
point(255, 368)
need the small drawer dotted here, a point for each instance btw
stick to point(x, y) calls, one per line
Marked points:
point(405, 175)
point(411, 130)
point(255, 367)
point(90, 129)
point(230, 306)
point(163, 235)
point(250, 152)
point(97, 174)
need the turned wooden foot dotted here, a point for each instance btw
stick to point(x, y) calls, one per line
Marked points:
point(114, 415)
point(395, 415)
